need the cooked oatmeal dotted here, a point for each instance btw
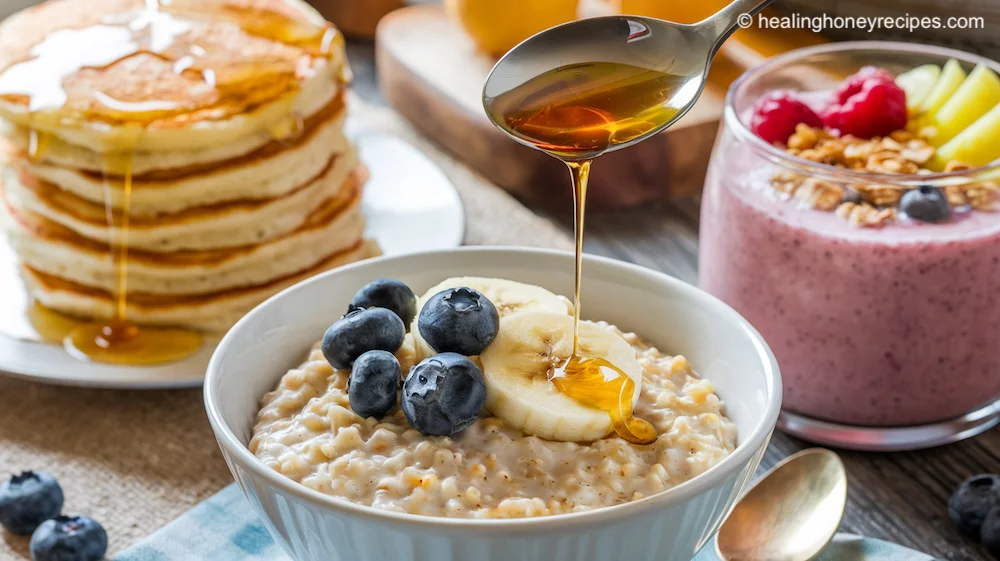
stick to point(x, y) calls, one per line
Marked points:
point(307, 431)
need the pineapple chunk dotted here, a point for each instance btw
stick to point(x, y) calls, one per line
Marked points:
point(979, 93)
point(951, 78)
point(917, 83)
point(977, 145)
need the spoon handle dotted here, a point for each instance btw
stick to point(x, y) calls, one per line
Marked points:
point(739, 13)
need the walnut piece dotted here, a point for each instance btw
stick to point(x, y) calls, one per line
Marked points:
point(864, 215)
point(984, 195)
point(880, 195)
point(820, 195)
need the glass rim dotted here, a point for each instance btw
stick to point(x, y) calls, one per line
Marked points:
point(781, 157)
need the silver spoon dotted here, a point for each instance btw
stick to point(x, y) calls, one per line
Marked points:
point(672, 48)
point(790, 514)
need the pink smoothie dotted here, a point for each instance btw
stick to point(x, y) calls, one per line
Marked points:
point(892, 326)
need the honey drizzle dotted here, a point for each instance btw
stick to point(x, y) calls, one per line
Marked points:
point(579, 173)
point(576, 113)
point(119, 341)
point(582, 378)
point(65, 52)
point(121, 256)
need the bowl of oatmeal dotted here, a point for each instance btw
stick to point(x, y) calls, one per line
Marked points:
point(431, 404)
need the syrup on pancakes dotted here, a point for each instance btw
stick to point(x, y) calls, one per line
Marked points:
point(164, 32)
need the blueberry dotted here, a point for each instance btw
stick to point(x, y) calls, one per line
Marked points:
point(973, 500)
point(29, 499)
point(990, 531)
point(360, 331)
point(443, 394)
point(69, 538)
point(458, 320)
point(390, 294)
point(374, 384)
point(927, 204)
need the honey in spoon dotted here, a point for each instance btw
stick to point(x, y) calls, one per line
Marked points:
point(576, 113)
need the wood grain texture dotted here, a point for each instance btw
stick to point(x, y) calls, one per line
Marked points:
point(430, 72)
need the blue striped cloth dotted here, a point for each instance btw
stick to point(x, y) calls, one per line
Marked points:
point(225, 528)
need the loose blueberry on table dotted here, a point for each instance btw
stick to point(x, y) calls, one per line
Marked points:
point(989, 533)
point(27, 500)
point(459, 320)
point(975, 508)
point(69, 538)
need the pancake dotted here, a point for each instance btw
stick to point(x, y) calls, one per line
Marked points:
point(178, 160)
point(47, 247)
point(59, 152)
point(232, 224)
point(272, 170)
point(186, 76)
point(212, 312)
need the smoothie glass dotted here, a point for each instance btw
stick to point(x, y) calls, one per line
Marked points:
point(888, 337)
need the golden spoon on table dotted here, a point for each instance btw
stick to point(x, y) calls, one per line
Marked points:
point(791, 514)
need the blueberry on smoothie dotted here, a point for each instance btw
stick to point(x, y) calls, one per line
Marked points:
point(29, 499)
point(69, 538)
point(459, 320)
point(359, 331)
point(926, 204)
point(973, 500)
point(390, 294)
point(374, 383)
point(443, 394)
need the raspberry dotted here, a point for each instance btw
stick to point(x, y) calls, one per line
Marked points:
point(868, 104)
point(854, 84)
point(776, 114)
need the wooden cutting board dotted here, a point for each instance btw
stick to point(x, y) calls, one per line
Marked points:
point(432, 74)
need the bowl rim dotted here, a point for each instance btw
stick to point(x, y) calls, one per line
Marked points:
point(745, 450)
point(732, 120)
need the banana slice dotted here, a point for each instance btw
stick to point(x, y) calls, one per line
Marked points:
point(517, 365)
point(509, 297)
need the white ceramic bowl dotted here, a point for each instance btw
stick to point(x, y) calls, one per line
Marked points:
point(672, 315)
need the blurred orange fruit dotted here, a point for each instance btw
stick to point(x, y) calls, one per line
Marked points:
point(680, 11)
point(496, 27)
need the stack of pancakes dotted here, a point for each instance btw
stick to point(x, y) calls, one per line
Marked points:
point(230, 131)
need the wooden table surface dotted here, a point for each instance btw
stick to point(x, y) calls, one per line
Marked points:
point(899, 497)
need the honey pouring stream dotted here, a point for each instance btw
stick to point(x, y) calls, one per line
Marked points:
point(581, 89)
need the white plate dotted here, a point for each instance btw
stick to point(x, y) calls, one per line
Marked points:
point(409, 203)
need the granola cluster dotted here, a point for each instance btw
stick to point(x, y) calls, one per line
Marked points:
point(903, 152)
